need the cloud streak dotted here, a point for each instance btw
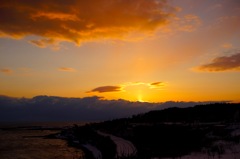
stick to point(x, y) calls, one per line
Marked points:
point(227, 45)
point(66, 69)
point(80, 21)
point(157, 84)
point(187, 23)
point(223, 63)
point(6, 71)
point(43, 42)
point(105, 89)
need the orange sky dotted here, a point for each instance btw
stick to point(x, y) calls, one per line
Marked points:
point(146, 50)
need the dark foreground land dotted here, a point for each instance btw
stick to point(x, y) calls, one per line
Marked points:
point(212, 130)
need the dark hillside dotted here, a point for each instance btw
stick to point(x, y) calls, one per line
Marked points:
point(219, 112)
point(211, 129)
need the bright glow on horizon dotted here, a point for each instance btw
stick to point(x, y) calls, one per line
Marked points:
point(140, 98)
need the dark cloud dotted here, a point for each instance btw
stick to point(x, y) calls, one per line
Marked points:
point(104, 89)
point(79, 21)
point(6, 71)
point(157, 84)
point(224, 63)
point(50, 108)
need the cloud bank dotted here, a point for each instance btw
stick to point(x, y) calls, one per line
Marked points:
point(224, 63)
point(80, 21)
point(51, 108)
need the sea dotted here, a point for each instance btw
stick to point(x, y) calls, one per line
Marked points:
point(25, 140)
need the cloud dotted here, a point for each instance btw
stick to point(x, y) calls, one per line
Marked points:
point(188, 23)
point(122, 87)
point(185, 23)
point(52, 108)
point(67, 69)
point(6, 71)
point(150, 85)
point(157, 84)
point(224, 63)
point(215, 7)
point(105, 89)
point(81, 21)
point(227, 45)
point(196, 44)
point(43, 42)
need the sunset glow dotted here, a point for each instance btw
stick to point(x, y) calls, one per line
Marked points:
point(146, 51)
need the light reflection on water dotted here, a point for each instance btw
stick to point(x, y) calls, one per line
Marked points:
point(20, 144)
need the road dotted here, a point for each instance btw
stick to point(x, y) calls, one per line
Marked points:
point(124, 147)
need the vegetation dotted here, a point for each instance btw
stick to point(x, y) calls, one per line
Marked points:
point(172, 132)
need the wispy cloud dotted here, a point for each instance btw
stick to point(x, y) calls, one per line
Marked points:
point(122, 87)
point(148, 84)
point(223, 63)
point(6, 71)
point(105, 89)
point(43, 43)
point(67, 69)
point(157, 84)
point(80, 21)
point(188, 23)
point(215, 7)
point(227, 45)
point(185, 23)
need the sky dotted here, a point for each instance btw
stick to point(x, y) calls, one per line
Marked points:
point(137, 50)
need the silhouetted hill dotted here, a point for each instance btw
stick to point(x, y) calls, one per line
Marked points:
point(218, 112)
point(174, 132)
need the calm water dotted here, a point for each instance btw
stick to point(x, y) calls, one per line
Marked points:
point(22, 143)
